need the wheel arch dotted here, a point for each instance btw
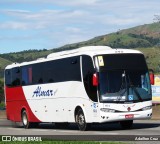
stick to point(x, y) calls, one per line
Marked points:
point(76, 110)
point(31, 116)
point(25, 109)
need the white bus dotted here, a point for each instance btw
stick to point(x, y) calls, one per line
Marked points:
point(94, 84)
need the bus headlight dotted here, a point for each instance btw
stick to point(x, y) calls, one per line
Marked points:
point(107, 110)
point(147, 108)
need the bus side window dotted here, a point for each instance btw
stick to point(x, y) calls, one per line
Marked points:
point(49, 76)
point(8, 78)
point(62, 70)
point(48, 72)
point(38, 70)
point(16, 76)
point(26, 75)
point(88, 71)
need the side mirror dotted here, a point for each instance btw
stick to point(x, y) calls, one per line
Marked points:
point(95, 80)
point(151, 75)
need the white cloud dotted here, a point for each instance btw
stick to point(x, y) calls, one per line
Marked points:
point(62, 21)
point(42, 19)
point(14, 25)
point(73, 30)
point(58, 2)
point(83, 12)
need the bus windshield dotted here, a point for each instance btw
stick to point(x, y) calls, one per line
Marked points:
point(127, 80)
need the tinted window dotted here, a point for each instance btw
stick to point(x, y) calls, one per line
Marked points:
point(38, 71)
point(67, 69)
point(88, 71)
point(123, 61)
point(26, 75)
point(8, 80)
point(15, 76)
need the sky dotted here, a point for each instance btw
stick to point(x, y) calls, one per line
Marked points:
point(47, 24)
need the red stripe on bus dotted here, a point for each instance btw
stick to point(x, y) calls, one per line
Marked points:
point(15, 102)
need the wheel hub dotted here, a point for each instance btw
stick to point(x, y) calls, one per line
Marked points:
point(81, 120)
point(25, 120)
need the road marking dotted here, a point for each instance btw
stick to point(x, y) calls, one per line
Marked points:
point(40, 130)
point(68, 131)
point(105, 133)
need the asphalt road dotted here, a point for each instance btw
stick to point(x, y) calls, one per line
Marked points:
point(144, 129)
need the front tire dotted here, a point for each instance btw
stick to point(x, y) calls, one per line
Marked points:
point(81, 122)
point(126, 124)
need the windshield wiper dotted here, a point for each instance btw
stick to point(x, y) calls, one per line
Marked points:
point(134, 89)
point(124, 82)
point(137, 93)
point(127, 85)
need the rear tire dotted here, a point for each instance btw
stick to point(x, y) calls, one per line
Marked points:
point(81, 122)
point(26, 123)
point(126, 124)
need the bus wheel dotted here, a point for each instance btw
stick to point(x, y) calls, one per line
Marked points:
point(25, 121)
point(81, 122)
point(126, 124)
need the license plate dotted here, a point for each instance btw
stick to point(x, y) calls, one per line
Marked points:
point(129, 116)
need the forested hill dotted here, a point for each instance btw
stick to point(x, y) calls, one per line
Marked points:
point(145, 38)
point(147, 35)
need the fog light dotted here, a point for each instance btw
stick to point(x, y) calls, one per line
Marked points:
point(107, 110)
point(147, 108)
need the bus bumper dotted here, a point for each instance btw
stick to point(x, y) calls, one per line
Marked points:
point(120, 116)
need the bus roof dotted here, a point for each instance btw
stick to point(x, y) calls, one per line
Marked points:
point(87, 50)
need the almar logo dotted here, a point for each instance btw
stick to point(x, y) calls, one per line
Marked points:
point(43, 93)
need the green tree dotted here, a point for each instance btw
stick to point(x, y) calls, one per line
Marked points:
point(1, 91)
